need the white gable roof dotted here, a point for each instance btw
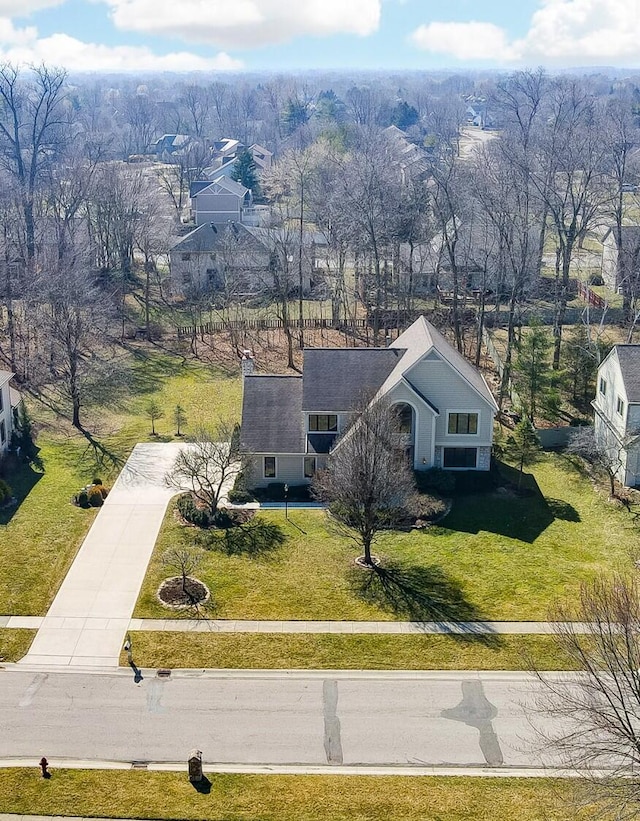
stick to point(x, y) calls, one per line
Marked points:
point(225, 184)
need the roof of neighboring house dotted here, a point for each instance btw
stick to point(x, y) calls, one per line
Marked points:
point(630, 235)
point(261, 149)
point(201, 240)
point(272, 420)
point(336, 378)
point(226, 184)
point(5, 376)
point(629, 359)
point(15, 397)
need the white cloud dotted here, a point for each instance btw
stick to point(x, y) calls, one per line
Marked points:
point(246, 23)
point(20, 8)
point(464, 41)
point(561, 32)
point(23, 45)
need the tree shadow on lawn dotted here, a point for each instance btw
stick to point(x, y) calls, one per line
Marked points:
point(419, 593)
point(253, 539)
point(22, 480)
point(518, 513)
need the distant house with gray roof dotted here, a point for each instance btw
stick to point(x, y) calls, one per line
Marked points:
point(617, 411)
point(291, 423)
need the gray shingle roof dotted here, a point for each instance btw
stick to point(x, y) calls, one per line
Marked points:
point(201, 240)
point(272, 420)
point(335, 378)
point(629, 359)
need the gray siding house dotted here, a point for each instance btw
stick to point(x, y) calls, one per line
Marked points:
point(617, 411)
point(290, 423)
point(220, 201)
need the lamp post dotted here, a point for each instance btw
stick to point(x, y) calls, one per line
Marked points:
point(286, 502)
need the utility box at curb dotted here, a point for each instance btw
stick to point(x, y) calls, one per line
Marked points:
point(195, 765)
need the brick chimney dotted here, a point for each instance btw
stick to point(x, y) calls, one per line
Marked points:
point(247, 363)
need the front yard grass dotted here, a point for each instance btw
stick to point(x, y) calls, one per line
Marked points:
point(14, 643)
point(40, 537)
point(496, 556)
point(130, 794)
point(312, 651)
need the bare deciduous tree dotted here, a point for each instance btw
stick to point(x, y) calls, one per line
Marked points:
point(183, 560)
point(204, 467)
point(595, 714)
point(368, 482)
point(604, 457)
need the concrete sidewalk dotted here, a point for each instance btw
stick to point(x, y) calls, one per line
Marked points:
point(90, 615)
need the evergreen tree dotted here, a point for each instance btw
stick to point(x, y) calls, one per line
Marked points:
point(522, 445)
point(404, 115)
point(244, 171)
point(534, 381)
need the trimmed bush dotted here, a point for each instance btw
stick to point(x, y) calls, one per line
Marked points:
point(95, 497)
point(82, 499)
point(435, 480)
point(240, 496)
point(190, 513)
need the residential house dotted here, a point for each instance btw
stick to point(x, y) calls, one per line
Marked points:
point(620, 268)
point(9, 399)
point(262, 157)
point(219, 201)
point(240, 257)
point(617, 411)
point(446, 411)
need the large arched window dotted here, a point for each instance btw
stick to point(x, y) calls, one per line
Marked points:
point(404, 417)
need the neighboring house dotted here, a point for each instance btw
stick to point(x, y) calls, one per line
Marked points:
point(8, 400)
point(170, 144)
point(261, 156)
point(446, 410)
point(617, 411)
point(618, 268)
point(240, 257)
point(219, 201)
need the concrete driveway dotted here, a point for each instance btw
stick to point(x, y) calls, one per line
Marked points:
point(88, 619)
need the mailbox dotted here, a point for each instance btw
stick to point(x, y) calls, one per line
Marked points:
point(195, 765)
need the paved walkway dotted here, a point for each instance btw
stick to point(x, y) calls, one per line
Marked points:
point(90, 615)
point(533, 628)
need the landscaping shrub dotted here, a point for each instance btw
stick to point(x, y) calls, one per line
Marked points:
point(82, 499)
point(240, 497)
point(596, 279)
point(435, 480)
point(95, 497)
point(6, 494)
point(190, 513)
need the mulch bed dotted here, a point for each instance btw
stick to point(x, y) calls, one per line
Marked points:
point(172, 593)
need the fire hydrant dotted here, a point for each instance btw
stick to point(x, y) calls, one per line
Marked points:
point(43, 766)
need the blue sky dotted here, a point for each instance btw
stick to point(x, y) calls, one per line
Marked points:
point(306, 34)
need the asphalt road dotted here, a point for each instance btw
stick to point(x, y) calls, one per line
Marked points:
point(459, 720)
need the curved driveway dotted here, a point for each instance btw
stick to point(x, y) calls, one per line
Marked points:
point(87, 622)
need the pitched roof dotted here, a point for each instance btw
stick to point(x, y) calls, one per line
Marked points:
point(629, 359)
point(272, 420)
point(421, 338)
point(5, 376)
point(201, 240)
point(226, 183)
point(335, 378)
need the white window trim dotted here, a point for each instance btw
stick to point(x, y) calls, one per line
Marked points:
point(602, 381)
point(620, 402)
point(275, 462)
point(448, 413)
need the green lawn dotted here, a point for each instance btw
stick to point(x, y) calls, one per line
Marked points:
point(40, 537)
point(312, 651)
point(494, 557)
point(14, 643)
point(130, 794)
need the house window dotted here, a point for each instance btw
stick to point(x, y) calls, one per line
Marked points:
point(404, 418)
point(269, 467)
point(3, 433)
point(185, 257)
point(603, 386)
point(620, 406)
point(323, 422)
point(309, 467)
point(463, 423)
point(1, 401)
point(460, 457)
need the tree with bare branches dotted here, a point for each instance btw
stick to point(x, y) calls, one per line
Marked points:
point(207, 464)
point(595, 727)
point(368, 482)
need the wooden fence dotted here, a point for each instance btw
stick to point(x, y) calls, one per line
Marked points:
point(270, 325)
point(590, 296)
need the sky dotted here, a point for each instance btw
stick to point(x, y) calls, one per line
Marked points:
point(283, 35)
